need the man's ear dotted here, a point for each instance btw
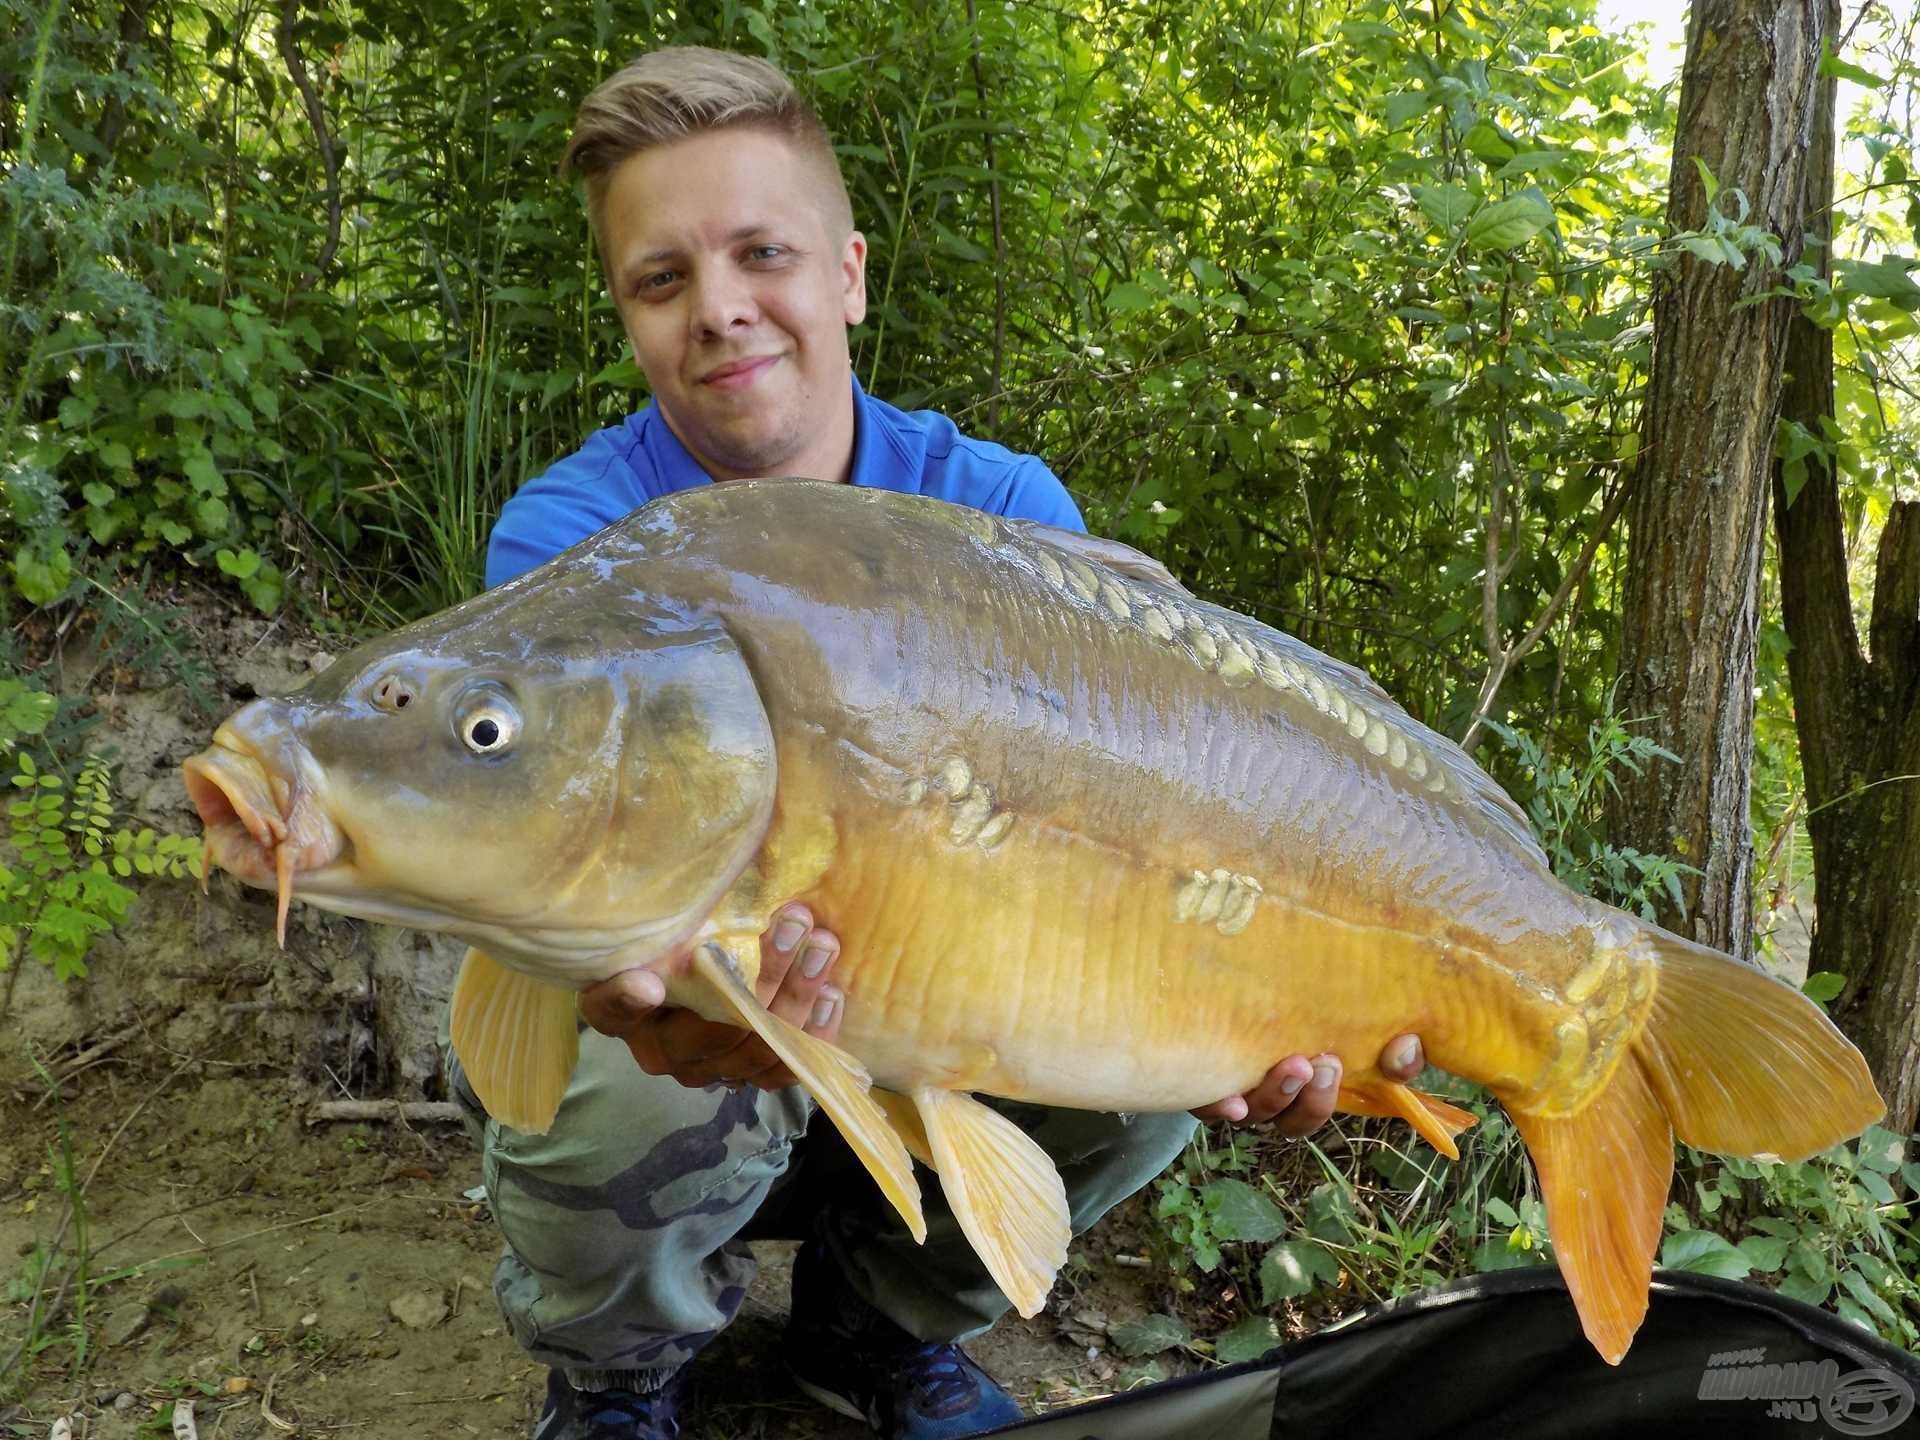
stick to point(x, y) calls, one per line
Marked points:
point(853, 271)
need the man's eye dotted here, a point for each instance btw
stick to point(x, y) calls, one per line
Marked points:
point(766, 252)
point(658, 280)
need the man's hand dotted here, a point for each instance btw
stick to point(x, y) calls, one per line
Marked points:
point(796, 960)
point(1299, 1093)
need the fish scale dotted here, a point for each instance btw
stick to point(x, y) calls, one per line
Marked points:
point(1086, 839)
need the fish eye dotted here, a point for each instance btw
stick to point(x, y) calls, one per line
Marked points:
point(393, 694)
point(489, 730)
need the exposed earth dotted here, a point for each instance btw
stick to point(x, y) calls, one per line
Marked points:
point(291, 1277)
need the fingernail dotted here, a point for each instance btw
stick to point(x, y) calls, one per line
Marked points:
point(823, 1009)
point(1325, 1075)
point(1291, 1085)
point(814, 961)
point(787, 934)
point(1404, 1053)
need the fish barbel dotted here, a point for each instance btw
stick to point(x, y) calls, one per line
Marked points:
point(1087, 841)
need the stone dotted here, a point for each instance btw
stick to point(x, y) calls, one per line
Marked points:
point(419, 1309)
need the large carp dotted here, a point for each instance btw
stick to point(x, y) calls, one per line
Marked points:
point(1087, 840)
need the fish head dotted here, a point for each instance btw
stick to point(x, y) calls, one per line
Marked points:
point(570, 782)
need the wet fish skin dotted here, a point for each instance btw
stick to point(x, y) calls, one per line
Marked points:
point(1087, 841)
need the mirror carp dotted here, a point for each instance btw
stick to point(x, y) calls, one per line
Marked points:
point(1087, 841)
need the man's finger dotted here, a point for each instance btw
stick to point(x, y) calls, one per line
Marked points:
point(779, 946)
point(1403, 1058)
point(616, 1005)
point(1312, 1107)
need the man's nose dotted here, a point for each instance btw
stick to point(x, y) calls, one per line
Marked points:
point(721, 301)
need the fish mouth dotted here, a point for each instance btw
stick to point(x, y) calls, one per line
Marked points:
point(261, 827)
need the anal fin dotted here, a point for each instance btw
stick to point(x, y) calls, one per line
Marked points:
point(838, 1081)
point(1003, 1189)
point(1604, 1173)
point(517, 1039)
point(1434, 1119)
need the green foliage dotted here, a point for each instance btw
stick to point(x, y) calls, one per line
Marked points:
point(1830, 1231)
point(60, 884)
point(1567, 806)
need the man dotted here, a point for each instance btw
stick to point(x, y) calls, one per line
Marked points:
point(729, 249)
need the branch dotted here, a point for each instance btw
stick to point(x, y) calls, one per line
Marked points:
point(999, 234)
point(1500, 662)
point(317, 118)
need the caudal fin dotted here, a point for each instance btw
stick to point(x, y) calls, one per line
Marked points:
point(1747, 1065)
point(1731, 1061)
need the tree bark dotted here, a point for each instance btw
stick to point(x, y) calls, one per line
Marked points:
point(1697, 519)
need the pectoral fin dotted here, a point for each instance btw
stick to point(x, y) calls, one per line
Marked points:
point(1004, 1191)
point(1436, 1121)
point(517, 1039)
point(838, 1081)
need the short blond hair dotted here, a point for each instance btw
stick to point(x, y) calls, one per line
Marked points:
point(684, 90)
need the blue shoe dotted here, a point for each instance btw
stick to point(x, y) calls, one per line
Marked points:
point(852, 1359)
point(572, 1414)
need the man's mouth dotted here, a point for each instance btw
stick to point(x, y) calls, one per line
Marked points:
point(738, 374)
point(261, 826)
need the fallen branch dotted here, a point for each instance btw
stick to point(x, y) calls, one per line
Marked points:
point(429, 1112)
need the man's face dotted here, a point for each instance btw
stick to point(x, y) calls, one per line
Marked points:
point(736, 293)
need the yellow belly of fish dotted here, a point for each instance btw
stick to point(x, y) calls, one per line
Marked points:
point(1054, 970)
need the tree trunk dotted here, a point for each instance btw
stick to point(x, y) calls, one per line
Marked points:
point(1747, 103)
point(1858, 718)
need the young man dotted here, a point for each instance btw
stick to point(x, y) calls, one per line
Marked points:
point(729, 248)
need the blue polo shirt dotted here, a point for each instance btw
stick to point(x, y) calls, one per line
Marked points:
point(624, 466)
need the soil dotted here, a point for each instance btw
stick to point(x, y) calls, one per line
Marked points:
point(288, 1277)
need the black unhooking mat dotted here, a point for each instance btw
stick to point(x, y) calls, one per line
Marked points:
point(1501, 1357)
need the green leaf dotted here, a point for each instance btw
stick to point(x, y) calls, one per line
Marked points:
point(1150, 1335)
point(1405, 105)
point(1445, 205)
point(1292, 1268)
point(1249, 1340)
point(1704, 1252)
point(1798, 1285)
point(116, 456)
point(1831, 64)
point(1767, 1253)
point(1489, 144)
point(1823, 986)
point(239, 566)
point(1241, 1212)
point(1885, 279)
point(1128, 298)
point(1507, 224)
point(1880, 1149)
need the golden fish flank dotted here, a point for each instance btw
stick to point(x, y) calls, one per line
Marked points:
point(1218, 898)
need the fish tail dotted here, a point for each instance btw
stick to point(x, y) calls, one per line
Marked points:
point(1745, 1064)
point(1730, 1060)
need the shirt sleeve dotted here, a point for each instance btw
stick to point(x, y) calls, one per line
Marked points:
point(1034, 492)
point(552, 513)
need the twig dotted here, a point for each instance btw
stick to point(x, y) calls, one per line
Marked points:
point(430, 1112)
point(1501, 660)
point(317, 118)
point(999, 234)
point(266, 1406)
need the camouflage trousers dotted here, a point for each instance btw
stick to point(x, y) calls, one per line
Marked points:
point(626, 1224)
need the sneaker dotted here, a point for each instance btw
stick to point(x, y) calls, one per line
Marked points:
point(852, 1359)
point(572, 1414)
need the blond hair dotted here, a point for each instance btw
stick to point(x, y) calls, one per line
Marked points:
point(686, 90)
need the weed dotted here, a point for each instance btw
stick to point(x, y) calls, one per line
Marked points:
point(62, 889)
